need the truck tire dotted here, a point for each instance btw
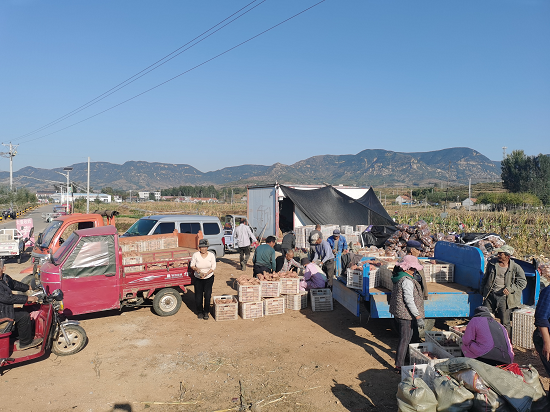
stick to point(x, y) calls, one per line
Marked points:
point(77, 338)
point(167, 302)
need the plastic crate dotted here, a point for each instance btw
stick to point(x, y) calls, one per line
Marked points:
point(249, 293)
point(226, 311)
point(296, 302)
point(374, 279)
point(290, 286)
point(438, 337)
point(354, 278)
point(523, 326)
point(416, 355)
point(321, 300)
point(270, 289)
point(439, 272)
point(251, 310)
point(274, 306)
point(423, 371)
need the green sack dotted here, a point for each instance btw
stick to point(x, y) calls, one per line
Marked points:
point(540, 401)
point(414, 395)
point(452, 396)
point(490, 402)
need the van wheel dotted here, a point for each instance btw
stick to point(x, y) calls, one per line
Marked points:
point(167, 302)
point(77, 340)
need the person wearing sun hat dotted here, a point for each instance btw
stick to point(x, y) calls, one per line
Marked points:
point(406, 304)
point(502, 285)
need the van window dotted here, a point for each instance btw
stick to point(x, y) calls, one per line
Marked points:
point(164, 228)
point(192, 228)
point(211, 228)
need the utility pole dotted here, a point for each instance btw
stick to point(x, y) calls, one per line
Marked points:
point(504, 152)
point(11, 154)
point(88, 189)
point(130, 195)
point(447, 191)
point(469, 193)
point(68, 169)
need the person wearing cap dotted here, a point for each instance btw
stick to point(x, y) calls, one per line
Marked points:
point(502, 285)
point(487, 340)
point(316, 232)
point(21, 317)
point(323, 253)
point(203, 264)
point(415, 248)
point(337, 242)
point(313, 277)
point(264, 257)
point(244, 238)
point(288, 243)
point(406, 305)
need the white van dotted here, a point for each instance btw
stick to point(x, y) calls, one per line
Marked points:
point(161, 224)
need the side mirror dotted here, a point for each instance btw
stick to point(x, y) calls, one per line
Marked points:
point(31, 232)
point(39, 240)
point(52, 261)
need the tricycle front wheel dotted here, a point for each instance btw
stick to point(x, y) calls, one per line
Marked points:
point(77, 340)
point(167, 302)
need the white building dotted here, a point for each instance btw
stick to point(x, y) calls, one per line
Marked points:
point(402, 199)
point(145, 195)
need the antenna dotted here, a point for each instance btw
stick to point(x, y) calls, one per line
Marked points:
point(11, 154)
point(504, 152)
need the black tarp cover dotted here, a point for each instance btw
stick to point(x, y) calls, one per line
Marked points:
point(370, 200)
point(328, 206)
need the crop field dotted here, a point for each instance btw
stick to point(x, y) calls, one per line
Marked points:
point(526, 231)
point(130, 212)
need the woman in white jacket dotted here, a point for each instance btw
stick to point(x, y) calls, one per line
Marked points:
point(203, 264)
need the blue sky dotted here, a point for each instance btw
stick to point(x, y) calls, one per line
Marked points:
point(345, 76)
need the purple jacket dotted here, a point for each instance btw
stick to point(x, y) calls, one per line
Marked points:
point(478, 341)
point(313, 278)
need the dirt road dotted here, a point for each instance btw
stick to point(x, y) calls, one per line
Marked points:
point(300, 361)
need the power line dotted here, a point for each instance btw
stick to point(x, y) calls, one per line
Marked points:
point(147, 70)
point(179, 75)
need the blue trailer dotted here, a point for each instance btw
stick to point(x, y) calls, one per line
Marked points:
point(446, 300)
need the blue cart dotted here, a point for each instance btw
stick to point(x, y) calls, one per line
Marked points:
point(446, 300)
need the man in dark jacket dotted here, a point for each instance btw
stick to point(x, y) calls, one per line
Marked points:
point(9, 313)
point(288, 243)
point(502, 285)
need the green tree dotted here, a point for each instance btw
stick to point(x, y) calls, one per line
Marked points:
point(530, 174)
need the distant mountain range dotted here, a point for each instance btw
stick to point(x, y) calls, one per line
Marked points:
point(371, 167)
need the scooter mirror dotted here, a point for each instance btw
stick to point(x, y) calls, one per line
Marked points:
point(36, 284)
point(57, 295)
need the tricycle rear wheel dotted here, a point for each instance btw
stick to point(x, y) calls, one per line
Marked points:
point(167, 302)
point(77, 340)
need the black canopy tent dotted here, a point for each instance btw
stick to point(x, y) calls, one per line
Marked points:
point(327, 206)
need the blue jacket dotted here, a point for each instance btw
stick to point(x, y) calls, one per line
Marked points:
point(342, 243)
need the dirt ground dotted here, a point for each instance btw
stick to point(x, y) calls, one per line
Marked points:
point(299, 361)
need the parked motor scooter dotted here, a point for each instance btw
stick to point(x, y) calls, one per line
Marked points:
point(62, 337)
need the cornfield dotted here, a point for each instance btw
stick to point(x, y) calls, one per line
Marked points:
point(527, 231)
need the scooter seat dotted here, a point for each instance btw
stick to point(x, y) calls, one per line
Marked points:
point(6, 324)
